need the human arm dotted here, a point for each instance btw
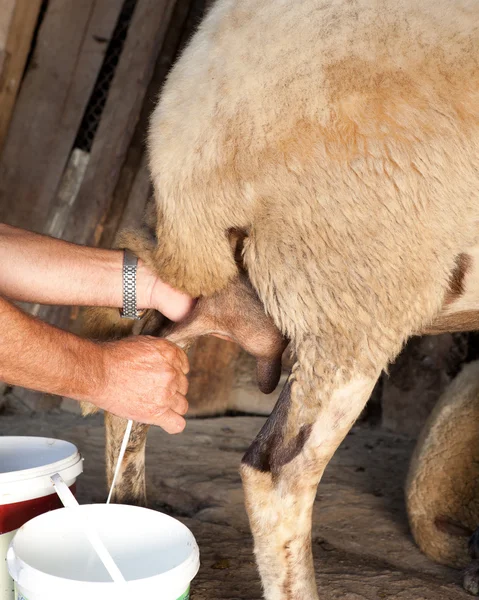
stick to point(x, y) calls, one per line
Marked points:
point(140, 378)
point(45, 270)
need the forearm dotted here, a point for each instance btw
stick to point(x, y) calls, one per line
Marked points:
point(45, 270)
point(41, 357)
point(140, 378)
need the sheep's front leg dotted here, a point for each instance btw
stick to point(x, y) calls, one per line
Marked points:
point(130, 487)
point(282, 469)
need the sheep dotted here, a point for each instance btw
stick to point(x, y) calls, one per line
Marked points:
point(341, 136)
point(441, 488)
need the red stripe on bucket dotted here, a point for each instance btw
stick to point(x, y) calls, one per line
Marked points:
point(13, 516)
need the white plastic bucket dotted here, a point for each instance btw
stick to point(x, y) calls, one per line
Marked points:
point(50, 557)
point(26, 464)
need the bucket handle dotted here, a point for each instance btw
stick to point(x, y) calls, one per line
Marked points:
point(69, 501)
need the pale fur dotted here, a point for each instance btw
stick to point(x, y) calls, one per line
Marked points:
point(342, 136)
point(443, 478)
point(280, 509)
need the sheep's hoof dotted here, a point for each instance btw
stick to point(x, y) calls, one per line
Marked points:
point(471, 578)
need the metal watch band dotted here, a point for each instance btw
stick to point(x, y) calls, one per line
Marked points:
point(130, 263)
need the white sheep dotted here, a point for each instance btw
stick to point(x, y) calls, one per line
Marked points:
point(342, 138)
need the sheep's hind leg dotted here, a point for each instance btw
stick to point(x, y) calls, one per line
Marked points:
point(283, 466)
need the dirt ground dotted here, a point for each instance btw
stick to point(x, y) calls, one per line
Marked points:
point(362, 547)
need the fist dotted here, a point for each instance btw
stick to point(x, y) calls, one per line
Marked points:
point(144, 379)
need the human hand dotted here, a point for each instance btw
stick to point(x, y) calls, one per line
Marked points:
point(170, 302)
point(155, 293)
point(144, 379)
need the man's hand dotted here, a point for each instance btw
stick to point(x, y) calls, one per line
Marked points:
point(169, 302)
point(51, 271)
point(139, 378)
point(145, 380)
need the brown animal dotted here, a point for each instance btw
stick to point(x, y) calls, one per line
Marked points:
point(442, 492)
point(342, 137)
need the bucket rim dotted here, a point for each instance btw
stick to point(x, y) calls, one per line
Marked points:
point(29, 577)
point(10, 477)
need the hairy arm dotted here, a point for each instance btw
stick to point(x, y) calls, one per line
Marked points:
point(45, 270)
point(139, 378)
point(41, 357)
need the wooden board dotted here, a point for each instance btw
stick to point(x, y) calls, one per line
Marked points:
point(18, 19)
point(133, 188)
point(6, 13)
point(120, 116)
point(67, 194)
point(140, 193)
point(70, 47)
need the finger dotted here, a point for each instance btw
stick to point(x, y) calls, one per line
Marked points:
point(179, 358)
point(172, 380)
point(174, 355)
point(174, 304)
point(179, 404)
point(182, 383)
point(183, 360)
point(170, 421)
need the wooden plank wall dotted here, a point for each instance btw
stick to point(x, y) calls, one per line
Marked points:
point(69, 52)
point(6, 13)
point(18, 19)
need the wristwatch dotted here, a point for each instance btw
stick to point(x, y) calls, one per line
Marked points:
point(130, 264)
